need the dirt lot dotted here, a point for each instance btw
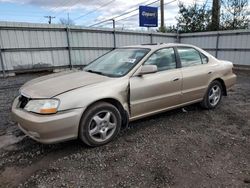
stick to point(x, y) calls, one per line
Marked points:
point(197, 148)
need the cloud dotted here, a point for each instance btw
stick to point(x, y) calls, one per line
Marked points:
point(114, 8)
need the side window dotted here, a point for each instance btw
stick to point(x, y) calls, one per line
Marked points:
point(204, 58)
point(189, 56)
point(164, 59)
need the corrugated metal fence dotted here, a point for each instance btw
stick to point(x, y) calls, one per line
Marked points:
point(26, 46)
point(30, 46)
point(228, 45)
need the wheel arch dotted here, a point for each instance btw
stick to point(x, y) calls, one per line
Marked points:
point(224, 89)
point(118, 105)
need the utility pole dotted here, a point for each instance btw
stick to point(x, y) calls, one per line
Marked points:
point(215, 15)
point(114, 33)
point(162, 14)
point(113, 22)
point(68, 19)
point(50, 18)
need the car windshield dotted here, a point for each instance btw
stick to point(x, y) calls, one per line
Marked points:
point(117, 63)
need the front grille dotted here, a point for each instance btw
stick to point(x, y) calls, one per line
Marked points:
point(23, 101)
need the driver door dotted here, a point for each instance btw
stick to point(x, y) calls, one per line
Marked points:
point(158, 91)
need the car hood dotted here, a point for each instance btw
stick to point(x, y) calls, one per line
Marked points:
point(55, 84)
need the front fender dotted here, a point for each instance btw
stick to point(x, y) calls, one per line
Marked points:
point(83, 97)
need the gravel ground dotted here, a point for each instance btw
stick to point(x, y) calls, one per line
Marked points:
point(180, 148)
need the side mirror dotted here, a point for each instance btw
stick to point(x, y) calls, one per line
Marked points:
point(147, 69)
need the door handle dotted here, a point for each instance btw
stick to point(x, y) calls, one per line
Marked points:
point(210, 72)
point(176, 79)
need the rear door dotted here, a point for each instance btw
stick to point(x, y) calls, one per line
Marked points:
point(196, 72)
point(157, 91)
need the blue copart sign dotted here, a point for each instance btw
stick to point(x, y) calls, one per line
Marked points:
point(148, 16)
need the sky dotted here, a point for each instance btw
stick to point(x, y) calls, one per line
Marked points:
point(86, 12)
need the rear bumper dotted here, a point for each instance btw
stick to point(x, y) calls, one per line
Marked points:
point(229, 80)
point(48, 128)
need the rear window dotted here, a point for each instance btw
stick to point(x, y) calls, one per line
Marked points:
point(189, 56)
point(204, 58)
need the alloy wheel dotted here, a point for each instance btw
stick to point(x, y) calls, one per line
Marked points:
point(214, 95)
point(102, 126)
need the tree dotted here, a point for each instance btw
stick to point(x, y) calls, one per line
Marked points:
point(164, 29)
point(65, 21)
point(215, 25)
point(194, 18)
point(235, 14)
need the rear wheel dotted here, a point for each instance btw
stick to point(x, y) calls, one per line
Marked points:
point(100, 124)
point(213, 95)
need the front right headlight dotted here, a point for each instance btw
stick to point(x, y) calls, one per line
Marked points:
point(42, 106)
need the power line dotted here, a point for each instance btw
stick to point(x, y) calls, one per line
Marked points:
point(90, 12)
point(60, 5)
point(128, 17)
point(67, 3)
point(130, 8)
point(137, 13)
point(68, 8)
point(122, 14)
point(10, 12)
point(192, 3)
point(54, 8)
point(125, 13)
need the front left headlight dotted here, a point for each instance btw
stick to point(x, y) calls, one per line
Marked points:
point(42, 106)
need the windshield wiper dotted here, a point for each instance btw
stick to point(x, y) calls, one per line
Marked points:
point(99, 72)
point(96, 72)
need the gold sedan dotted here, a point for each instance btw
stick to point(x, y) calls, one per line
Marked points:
point(121, 86)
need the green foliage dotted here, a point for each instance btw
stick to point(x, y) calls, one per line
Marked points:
point(193, 18)
point(162, 29)
point(196, 18)
point(170, 29)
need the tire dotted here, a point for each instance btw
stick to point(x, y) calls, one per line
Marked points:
point(213, 95)
point(100, 124)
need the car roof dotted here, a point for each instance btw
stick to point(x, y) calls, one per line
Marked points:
point(155, 46)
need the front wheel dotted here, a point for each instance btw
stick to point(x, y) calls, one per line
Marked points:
point(213, 96)
point(100, 124)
